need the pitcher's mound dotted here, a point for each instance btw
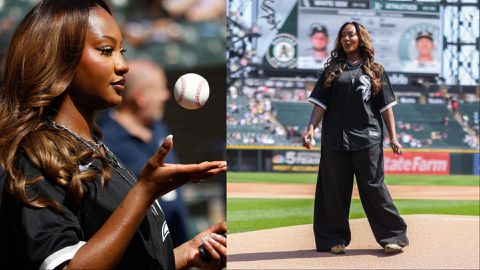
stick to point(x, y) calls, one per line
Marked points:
point(436, 242)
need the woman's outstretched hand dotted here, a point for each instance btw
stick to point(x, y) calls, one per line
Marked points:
point(166, 177)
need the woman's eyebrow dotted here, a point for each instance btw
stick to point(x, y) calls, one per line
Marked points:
point(114, 40)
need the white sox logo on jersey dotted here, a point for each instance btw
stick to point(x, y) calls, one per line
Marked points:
point(165, 231)
point(365, 87)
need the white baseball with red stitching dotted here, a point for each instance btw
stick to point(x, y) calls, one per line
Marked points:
point(191, 91)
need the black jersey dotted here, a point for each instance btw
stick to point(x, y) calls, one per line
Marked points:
point(33, 238)
point(352, 119)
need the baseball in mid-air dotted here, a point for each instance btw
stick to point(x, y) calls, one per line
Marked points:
point(191, 91)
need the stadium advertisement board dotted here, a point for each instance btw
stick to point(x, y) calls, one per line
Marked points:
point(476, 164)
point(417, 163)
point(295, 161)
point(288, 31)
point(408, 163)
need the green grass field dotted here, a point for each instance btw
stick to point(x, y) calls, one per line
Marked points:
point(311, 178)
point(257, 214)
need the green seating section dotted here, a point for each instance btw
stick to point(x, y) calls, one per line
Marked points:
point(293, 113)
point(428, 117)
point(259, 133)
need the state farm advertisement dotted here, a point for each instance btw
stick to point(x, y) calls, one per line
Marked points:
point(417, 163)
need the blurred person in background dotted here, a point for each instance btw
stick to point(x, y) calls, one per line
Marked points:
point(134, 130)
point(454, 105)
point(159, 21)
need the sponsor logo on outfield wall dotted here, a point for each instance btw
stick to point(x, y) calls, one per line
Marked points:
point(295, 161)
point(417, 163)
point(408, 163)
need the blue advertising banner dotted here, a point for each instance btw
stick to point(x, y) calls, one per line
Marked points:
point(476, 164)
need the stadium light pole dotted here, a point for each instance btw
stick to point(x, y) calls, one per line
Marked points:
point(461, 42)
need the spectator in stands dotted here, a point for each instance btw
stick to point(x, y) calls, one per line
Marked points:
point(418, 127)
point(267, 104)
point(465, 120)
point(68, 201)
point(454, 105)
point(471, 141)
point(445, 120)
point(352, 143)
point(449, 104)
point(134, 130)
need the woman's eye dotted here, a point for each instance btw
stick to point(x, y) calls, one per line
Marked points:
point(123, 51)
point(106, 51)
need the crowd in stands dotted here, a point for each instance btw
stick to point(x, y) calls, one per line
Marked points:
point(254, 114)
point(161, 21)
point(468, 112)
point(472, 140)
point(291, 95)
point(405, 133)
point(259, 110)
point(177, 34)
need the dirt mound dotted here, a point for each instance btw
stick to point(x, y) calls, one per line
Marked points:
point(436, 242)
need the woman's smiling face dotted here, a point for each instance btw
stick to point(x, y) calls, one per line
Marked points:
point(99, 79)
point(349, 39)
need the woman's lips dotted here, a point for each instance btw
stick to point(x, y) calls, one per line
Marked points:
point(119, 85)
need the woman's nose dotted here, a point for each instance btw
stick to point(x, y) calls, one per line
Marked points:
point(121, 66)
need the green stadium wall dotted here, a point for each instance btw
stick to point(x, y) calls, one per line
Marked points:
point(297, 159)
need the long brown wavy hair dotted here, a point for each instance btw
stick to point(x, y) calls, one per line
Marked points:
point(39, 67)
point(337, 62)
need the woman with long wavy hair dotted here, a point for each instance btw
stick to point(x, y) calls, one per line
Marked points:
point(68, 201)
point(352, 95)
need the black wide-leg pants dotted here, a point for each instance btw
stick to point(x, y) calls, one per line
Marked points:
point(334, 192)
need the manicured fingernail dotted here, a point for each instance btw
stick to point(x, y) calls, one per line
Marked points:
point(169, 137)
point(211, 240)
point(216, 236)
